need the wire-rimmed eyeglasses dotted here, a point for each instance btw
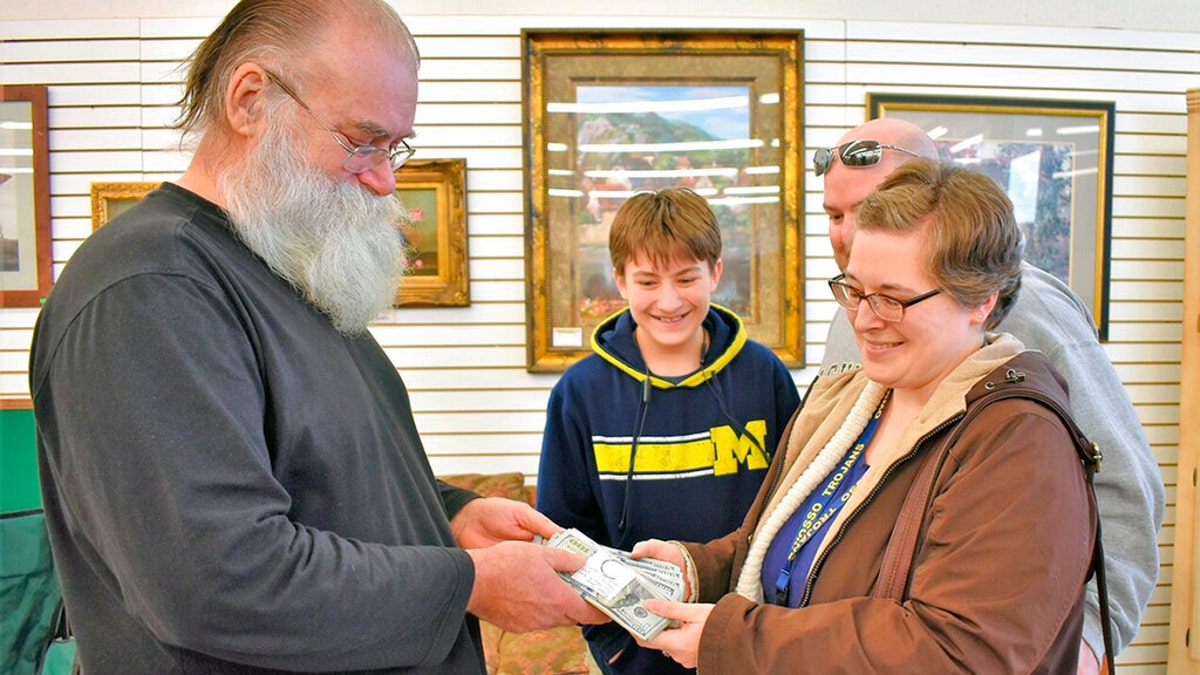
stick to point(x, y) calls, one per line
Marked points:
point(885, 306)
point(855, 154)
point(359, 159)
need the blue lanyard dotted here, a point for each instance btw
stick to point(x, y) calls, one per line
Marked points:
point(822, 505)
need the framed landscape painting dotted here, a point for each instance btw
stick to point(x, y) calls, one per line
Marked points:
point(612, 113)
point(1053, 158)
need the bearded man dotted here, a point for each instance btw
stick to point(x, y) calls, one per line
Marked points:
point(232, 478)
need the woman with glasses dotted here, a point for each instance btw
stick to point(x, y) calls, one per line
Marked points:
point(1000, 522)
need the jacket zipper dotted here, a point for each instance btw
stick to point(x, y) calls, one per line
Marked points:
point(819, 562)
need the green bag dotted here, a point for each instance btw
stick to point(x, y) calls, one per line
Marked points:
point(60, 658)
point(30, 595)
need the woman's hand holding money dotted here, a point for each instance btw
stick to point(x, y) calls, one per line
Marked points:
point(665, 551)
point(681, 643)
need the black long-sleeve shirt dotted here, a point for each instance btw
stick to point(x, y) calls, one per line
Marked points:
point(230, 484)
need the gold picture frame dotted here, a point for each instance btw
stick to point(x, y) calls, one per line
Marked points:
point(1054, 159)
point(25, 255)
point(609, 113)
point(109, 200)
point(434, 192)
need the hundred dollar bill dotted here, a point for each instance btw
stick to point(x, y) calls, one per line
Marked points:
point(574, 541)
point(618, 585)
point(667, 577)
point(664, 574)
point(626, 608)
point(604, 576)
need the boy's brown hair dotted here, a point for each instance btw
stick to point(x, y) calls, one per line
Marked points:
point(664, 225)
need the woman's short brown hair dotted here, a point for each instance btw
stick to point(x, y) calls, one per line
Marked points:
point(664, 224)
point(975, 243)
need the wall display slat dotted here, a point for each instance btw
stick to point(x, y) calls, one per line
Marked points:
point(471, 379)
point(1136, 269)
point(477, 401)
point(463, 69)
point(1146, 311)
point(971, 32)
point(491, 444)
point(505, 356)
point(501, 421)
point(1148, 228)
point(452, 112)
point(1150, 123)
point(1150, 186)
point(494, 180)
point(495, 202)
point(501, 91)
point(1037, 58)
point(63, 51)
point(496, 224)
point(468, 46)
point(114, 83)
point(485, 313)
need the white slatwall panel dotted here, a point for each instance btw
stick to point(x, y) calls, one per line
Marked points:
point(113, 85)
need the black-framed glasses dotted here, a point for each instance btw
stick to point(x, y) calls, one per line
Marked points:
point(359, 159)
point(855, 154)
point(885, 306)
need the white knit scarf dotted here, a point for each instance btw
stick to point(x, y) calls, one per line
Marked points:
point(749, 583)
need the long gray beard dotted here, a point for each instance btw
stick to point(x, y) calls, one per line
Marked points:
point(337, 243)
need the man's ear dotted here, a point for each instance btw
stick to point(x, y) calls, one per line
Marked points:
point(244, 99)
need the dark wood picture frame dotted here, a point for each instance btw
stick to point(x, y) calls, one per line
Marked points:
point(26, 273)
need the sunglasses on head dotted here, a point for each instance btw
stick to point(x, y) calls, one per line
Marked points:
point(858, 153)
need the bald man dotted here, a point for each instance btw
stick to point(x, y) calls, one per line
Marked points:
point(1048, 317)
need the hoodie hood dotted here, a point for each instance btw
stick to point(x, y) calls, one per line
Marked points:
point(613, 341)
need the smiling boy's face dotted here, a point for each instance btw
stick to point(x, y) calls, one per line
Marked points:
point(668, 301)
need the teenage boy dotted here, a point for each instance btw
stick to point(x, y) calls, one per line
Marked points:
point(666, 431)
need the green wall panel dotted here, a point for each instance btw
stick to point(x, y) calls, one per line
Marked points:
point(18, 461)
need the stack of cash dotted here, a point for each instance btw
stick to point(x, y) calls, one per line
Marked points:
point(618, 585)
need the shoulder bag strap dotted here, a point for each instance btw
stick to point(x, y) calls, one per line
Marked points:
point(902, 545)
point(896, 567)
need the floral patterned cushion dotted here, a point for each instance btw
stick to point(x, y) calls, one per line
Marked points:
point(556, 651)
point(510, 485)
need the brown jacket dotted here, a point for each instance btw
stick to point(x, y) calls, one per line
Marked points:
point(998, 576)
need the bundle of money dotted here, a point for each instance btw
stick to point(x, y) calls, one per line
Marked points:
point(617, 585)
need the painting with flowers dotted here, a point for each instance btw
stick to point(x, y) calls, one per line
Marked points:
point(434, 193)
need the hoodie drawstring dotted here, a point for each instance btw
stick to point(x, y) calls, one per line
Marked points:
point(719, 394)
point(643, 409)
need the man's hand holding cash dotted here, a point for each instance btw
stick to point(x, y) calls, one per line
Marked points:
point(618, 585)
